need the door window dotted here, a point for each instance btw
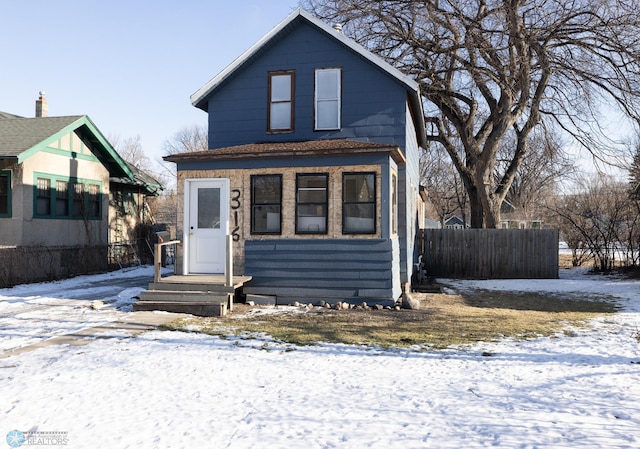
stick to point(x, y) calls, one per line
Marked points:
point(209, 208)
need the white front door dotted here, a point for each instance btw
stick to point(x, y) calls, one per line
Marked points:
point(206, 225)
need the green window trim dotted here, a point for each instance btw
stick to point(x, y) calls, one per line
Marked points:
point(83, 197)
point(5, 194)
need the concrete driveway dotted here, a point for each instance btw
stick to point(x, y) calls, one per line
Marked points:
point(75, 311)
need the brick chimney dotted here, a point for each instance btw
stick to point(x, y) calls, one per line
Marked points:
point(42, 107)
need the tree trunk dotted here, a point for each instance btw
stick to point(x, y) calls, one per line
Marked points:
point(477, 213)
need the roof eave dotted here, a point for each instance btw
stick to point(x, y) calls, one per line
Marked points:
point(109, 156)
point(394, 152)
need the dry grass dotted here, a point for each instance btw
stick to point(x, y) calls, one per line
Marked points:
point(565, 261)
point(442, 321)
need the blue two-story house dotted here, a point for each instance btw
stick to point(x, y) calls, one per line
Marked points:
point(312, 168)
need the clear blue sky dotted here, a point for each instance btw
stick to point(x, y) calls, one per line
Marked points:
point(130, 65)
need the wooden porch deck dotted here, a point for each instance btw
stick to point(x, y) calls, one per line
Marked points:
point(215, 281)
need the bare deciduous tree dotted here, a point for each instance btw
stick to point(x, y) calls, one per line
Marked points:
point(600, 221)
point(492, 67)
point(544, 166)
point(188, 140)
point(444, 188)
point(130, 149)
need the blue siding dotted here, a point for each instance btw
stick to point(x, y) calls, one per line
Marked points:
point(352, 270)
point(374, 109)
point(373, 103)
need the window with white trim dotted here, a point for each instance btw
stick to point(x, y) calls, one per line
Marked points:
point(327, 101)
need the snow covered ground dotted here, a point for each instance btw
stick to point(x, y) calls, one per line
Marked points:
point(183, 390)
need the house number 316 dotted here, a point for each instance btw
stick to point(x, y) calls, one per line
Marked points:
point(235, 205)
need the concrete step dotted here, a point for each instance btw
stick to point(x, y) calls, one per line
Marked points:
point(192, 308)
point(202, 297)
point(187, 286)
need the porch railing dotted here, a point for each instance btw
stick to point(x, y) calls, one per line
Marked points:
point(157, 259)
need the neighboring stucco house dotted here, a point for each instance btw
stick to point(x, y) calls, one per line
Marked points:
point(56, 178)
point(312, 168)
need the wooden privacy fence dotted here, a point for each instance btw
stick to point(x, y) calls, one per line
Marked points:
point(490, 253)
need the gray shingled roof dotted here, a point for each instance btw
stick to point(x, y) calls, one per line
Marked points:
point(20, 134)
point(332, 147)
point(6, 115)
point(140, 178)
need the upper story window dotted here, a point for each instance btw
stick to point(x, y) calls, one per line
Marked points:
point(5, 194)
point(281, 105)
point(327, 101)
point(312, 204)
point(266, 204)
point(358, 203)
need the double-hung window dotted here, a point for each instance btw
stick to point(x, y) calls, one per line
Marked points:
point(327, 101)
point(62, 198)
point(312, 203)
point(266, 204)
point(358, 203)
point(65, 198)
point(5, 194)
point(94, 201)
point(281, 106)
point(43, 197)
point(78, 200)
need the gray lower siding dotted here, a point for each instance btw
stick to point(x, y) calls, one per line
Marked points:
point(309, 270)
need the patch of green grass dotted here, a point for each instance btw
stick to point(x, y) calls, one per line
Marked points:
point(442, 321)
